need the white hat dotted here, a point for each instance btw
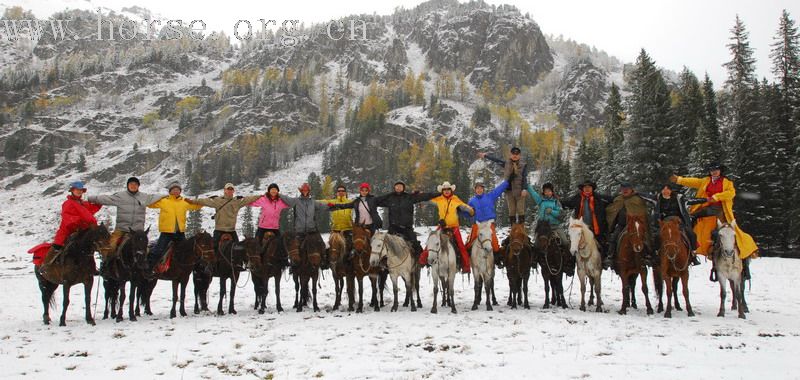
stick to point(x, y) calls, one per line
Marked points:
point(445, 185)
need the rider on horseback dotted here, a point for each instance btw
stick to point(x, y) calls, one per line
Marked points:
point(171, 221)
point(484, 205)
point(670, 203)
point(305, 215)
point(269, 220)
point(449, 204)
point(401, 212)
point(590, 207)
point(342, 219)
point(628, 203)
point(719, 193)
point(549, 211)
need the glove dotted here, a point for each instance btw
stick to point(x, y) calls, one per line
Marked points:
point(548, 210)
point(673, 178)
point(331, 205)
point(710, 199)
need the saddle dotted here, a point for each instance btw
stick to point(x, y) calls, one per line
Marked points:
point(164, 264)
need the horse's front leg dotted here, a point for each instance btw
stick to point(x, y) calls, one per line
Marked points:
point(360, 283)
point(685, 285)
point(582, 279)
point(591, 289)
point(645, 291)
point(173, 313)
point(417, 275)
point(183, 296)
point(410, 290)
point(494, 298)
point(277, 292)
point(743, 302)
point(87, 299)
point(65, 304)
point(722, 295)
point(738, 293)
point(351, 291)
point(675, 302)
point(234, 281)
point(222, 292)
point(451, 292)
point(395, 288)
point(489, 290)
point(596, 286)
point(314, 279)
point(120, 317)
point(478, 289)
point(625, 294)
point(546, 281)
point(132, 299)
point(668, 284)
point(434, 309)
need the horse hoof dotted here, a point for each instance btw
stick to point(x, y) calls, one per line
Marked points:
point(598, 309)
point(546, 306)
point(527, 307)
point(316, 309)
point(453, 311)
point(650, 311)
point(622, 312)
point(667, 315)
point(660, 309)
point(220, 313)
point(46, 322)
point(691, 314)
point(232, 311)
point(359, 310)
point(742, 316)
point(119, 319)
point(434, 311)
point(419, 305)
point(90, 321)
point(475, 307)
point(172, 315)
point(678, 308)
point(351, 309)
point(132, 318)
point(261, 311)
point(376, 309)
point(583, 308)
point(721, 314)
point(489, 308)
point(746, 309)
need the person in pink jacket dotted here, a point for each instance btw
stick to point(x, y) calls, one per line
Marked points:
point(271, 206)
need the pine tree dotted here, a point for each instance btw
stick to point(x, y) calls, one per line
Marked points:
point(741, 80)
point(81, 163)
point(687, 116)
point(706, 147)
point(614, 139)
point(248, 227)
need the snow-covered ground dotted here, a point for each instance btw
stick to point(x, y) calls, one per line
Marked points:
point(503, 343)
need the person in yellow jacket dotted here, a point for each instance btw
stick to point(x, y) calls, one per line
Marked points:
point(341, 219)
point(449, 204)
point(171, 221)
point(719, 193)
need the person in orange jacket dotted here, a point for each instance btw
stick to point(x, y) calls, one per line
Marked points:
point(449, 204)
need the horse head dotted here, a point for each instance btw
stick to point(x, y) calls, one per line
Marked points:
point(636, 229)
point(203, 248)
point(577, 235)
point(543, 232)
point(518, 239)
point(337, 245)
point(138, 246)
point(378, 247)
point(251, 250)
point(434, 245)
point(361, 238)
point(726, 233)
point(485, 236)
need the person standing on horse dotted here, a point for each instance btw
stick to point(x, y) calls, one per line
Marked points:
point(719, 193)
point(670, 203)
point(484, 205)
point(76, 214)
point(341, 219)
point(131, 207)
point(269, 219)
point(449, 204)
point(400, 205)
point(365, 208)
point(549, 211)
point(590, 207)
point(628, 203)
point(516, 172)
point(226, 212)
point(305, 215)
point(171, 221)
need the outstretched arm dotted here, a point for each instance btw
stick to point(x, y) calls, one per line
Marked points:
point(534, 194)
point(494, 159)
point(694, 183)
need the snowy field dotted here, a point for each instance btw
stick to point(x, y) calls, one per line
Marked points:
point(535, 343)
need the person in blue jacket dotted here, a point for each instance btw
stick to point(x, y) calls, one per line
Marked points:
point(549, 210)
point(484, 205)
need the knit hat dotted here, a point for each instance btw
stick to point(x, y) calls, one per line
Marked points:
point(304, 187)
point(364, 185)
point(174, 185)
point(132, 179)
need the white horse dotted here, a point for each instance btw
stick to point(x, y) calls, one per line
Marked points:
point(584, 247)
point(442, 258)
point(399, 261)
point(728, 266)
point(482, 263)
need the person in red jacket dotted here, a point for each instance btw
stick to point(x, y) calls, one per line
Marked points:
point(76, 214)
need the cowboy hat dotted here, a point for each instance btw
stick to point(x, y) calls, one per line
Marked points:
point(446, 185)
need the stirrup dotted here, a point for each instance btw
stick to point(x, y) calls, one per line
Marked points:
point(713, 276)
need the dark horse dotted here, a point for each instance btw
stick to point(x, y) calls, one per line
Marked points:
point(554, 262)
point(128, 264)
point(74, 265)
point(630, 260)
point(305, 253)
point(361, 268)
point(269, 260)
point(185, 255)
point(518, 260)
point(337, 252)
point(229, 259)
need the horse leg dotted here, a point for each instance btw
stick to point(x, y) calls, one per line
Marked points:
point(524, 280)
point(735, 298)
point(149, 292)
point(132, 299)
point(676, 301)
point(183, 296)
point(296, 280)
point(373, 303)
point(582, 279)
point(172, 312)
point(494, 298)
point(65, 304)
point(234, 281)
point(360, 283)
point(222, 293)
point(383, 277)
point(417, 275)
point(87, 299)
point(743, 301)
point(47, 290)
point(685, 284)
point(739, 293)
point(451, 292)
point(489, 288)
point(596, 286)
point(668, 283)
point(722, 294)
point(625, 294)
point(314, 279)
point(546, 281)
point(435, 294)
point(591, 290)
point(337, 293)
point(120, 318)
point(478, 289)
point(410, 289)
point(351, 290)
point(658, 284)
point(278, 306)
point(395, 289)
point(645, 291)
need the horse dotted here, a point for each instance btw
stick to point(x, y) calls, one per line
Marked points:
point(268, 261)
point(482, 263)
point(674, 252)
point(337, 251)
point(360, 268)
point(185, 255)
point(230, 256)
point(128, 264)
point(73, 265)
point(442, 258)
point(630, 261)
point(554, 263)
point(396, 253)
point(306, 258)
point(518, 263)
point(728, 267)
point(585, 249)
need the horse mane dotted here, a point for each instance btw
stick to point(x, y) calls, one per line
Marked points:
point(543, 228)
point(396, 243)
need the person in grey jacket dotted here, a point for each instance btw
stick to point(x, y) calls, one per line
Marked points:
point(131, 205)
point(305, 210)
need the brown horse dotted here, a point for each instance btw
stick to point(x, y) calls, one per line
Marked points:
point(229, 259)
point(268, 261)
point(305, 253)
point(518, 259)
point(674, 252)
point(554, 262)
point(185, 255)
point(73, 265)
point(361, 268)
point(630, 260)
point(340, 269)
point(128, 264)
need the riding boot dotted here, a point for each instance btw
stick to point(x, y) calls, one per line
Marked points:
point(498, 260)
point(713, 275)
point(693, 258)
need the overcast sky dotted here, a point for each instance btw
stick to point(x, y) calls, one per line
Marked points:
point(675, 33)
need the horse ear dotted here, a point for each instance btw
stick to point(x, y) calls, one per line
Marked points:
point(147, 230)
point(719, 224)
